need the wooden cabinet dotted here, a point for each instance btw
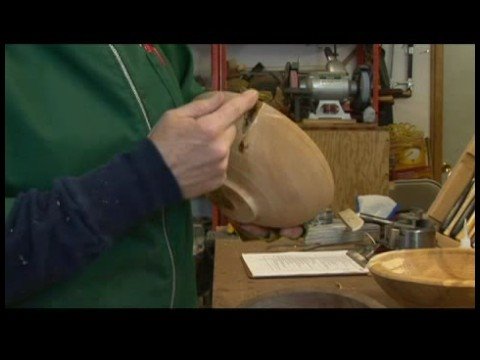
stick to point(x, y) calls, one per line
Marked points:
point(359, 160)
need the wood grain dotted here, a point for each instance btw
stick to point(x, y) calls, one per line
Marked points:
point(336, 124)
point(470, 228)
point(446, 241)
point(451, 191)
point(359, 160)
point(468, 200)
point(427, 277)
point(436, 109)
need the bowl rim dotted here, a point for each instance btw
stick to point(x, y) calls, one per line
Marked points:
point(354, 295)
point(374, 266)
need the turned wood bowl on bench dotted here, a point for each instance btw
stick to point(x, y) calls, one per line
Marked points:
point(439, 277)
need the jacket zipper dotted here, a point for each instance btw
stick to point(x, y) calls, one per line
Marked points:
point(172, 259)
point(130, 82)
point(135, 93)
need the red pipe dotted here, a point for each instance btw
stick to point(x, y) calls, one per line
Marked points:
point(360, 54)
point(215, 50)
point(219, 82)
point(376, 80)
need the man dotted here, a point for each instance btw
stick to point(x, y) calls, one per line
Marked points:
point(96, 193)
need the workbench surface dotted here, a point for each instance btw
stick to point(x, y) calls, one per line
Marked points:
point(232, 286)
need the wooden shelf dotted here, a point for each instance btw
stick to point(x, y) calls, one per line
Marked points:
point(336, 125)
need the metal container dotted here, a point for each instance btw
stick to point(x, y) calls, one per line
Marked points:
point(422, 236)
point(337, 233)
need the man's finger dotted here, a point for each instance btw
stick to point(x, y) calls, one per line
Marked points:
point(250, 231)
point(292, 233)
point(230, 111)
point(229, 135)
point(202, 107)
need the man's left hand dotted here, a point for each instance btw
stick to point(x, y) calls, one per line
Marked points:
point(251, 231)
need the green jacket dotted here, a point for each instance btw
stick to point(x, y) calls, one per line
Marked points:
point(70, 109)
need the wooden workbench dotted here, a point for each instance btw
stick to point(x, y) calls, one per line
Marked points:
point(232, 286)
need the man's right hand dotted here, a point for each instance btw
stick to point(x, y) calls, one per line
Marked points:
point(195, 140)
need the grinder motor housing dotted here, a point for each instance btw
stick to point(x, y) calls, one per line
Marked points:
point(320, 94)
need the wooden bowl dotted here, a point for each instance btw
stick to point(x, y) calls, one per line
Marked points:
point(427, 277)
point(311, 299)
point(277, 176)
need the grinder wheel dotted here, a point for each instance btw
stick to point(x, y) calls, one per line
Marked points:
point(363, 97)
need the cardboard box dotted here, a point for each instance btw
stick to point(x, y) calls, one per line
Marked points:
point(451, 191)
point(409, 154)
point(409, 159)
point(423, 172)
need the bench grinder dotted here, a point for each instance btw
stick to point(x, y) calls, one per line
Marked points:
point(320, 95)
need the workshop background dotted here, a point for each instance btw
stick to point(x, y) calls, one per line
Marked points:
point(409, 118)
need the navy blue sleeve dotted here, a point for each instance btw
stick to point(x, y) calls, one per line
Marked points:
point(51, 235)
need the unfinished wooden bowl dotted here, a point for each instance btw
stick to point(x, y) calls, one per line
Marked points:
point(439, 277)
point(311, 299)
point(277, 176)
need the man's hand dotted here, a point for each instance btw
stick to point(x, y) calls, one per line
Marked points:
point(195, 140)
point(250, 231)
